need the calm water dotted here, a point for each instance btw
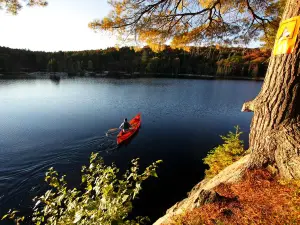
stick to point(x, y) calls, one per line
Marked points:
point(45, 124)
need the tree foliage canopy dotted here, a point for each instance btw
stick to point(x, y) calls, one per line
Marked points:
point(14, 6)
point(188, 21)
point(210, 60)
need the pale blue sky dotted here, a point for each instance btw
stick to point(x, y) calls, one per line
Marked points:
point(62, 25)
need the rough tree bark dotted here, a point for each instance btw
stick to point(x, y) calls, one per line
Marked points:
point(275, 127)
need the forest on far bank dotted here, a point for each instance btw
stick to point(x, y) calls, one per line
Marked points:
point(212, 60)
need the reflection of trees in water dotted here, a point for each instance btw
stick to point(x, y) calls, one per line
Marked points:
point(56, 82)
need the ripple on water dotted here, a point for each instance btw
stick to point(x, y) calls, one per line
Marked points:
point(17, 178)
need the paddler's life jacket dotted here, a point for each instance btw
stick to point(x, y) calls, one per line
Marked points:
point(126, 125)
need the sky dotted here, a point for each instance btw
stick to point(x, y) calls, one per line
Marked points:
point(61, 26)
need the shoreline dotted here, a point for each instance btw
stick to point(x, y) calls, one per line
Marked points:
point(64, 75)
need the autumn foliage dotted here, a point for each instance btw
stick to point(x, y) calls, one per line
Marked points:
point(14, 6)
point(213, 60)
point(260, 198)
point(182, 23)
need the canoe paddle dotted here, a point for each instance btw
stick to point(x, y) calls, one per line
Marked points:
point(111, 131)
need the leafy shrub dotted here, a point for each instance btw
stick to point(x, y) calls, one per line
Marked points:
point(103, 199)
point(225, 154)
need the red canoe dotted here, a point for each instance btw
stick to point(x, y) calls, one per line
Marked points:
point(135, 125)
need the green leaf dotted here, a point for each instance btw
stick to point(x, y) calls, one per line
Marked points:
point(47, 194)
point(60, 198)
point(5, 216)
point(78, 216)
point(125, 197)
point(93, 157)
point(154, 174)
point(37, 203)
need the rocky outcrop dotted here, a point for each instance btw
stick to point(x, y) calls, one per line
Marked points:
point(204, 193)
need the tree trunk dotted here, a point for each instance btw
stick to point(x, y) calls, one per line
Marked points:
point(275, 127)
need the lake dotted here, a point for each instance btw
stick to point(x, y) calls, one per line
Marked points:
point(45, 124)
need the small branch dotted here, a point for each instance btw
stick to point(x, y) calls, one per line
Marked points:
point(249, 106)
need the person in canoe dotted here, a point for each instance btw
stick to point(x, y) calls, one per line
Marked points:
point(125, 126)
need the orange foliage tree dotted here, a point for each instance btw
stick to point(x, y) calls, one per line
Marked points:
point(15, 6)
point(189, 21)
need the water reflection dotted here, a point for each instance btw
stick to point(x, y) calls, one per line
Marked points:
point(55, 81)
point(45, 123)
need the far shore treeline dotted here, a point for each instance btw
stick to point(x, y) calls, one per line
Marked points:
point(213, 61)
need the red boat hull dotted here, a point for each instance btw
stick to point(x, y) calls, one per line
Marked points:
point(135, 124)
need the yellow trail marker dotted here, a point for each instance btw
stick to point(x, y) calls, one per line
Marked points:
point(286, 36)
